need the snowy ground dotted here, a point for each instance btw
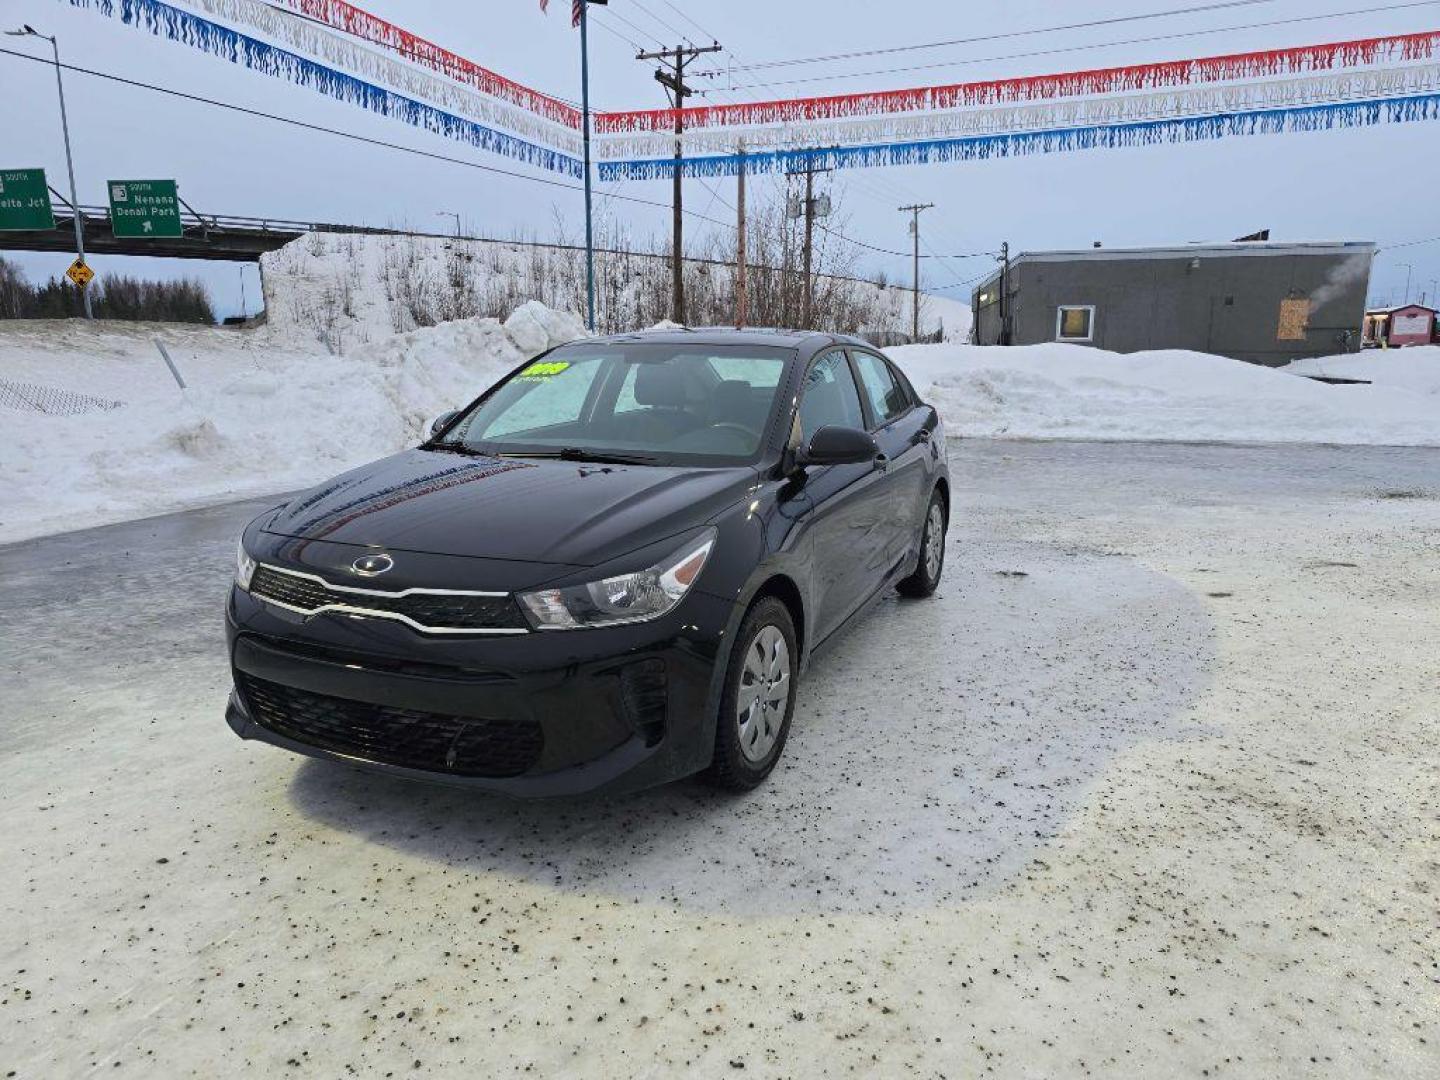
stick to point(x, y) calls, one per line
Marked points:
point(1147, 790)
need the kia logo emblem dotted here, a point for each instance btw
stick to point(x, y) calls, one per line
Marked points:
point(371, 565)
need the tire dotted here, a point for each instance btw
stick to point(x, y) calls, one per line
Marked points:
point(926, 578)
point(753, 724)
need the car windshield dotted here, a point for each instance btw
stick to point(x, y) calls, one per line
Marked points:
point(633, 402)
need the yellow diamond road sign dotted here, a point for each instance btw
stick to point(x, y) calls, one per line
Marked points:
point(80, 274)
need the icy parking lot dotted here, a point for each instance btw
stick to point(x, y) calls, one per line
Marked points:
point(1150, 788)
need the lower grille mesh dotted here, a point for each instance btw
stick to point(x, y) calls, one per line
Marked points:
point(459, 745)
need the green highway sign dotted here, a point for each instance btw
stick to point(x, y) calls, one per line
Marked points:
point(25, 200)
point(144, 208)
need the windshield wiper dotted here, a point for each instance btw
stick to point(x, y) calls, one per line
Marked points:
point(604, 457)
point(454, 448)
point(579, 453)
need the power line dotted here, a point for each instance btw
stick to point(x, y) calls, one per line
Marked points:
point(386, 144)
point(616, 33)
point(1008, 34)
point(613, 14)
point(1409, 243)
point(688, 19)
point(962, 284)
point(662, 22)
point(1061, 50)
point(888, 251)
point(434, 156)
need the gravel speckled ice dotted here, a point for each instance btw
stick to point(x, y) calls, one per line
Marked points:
point(1148, 789)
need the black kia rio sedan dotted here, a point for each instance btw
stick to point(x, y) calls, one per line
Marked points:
point(607, 572)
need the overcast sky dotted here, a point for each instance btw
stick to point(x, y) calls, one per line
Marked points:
point(1377, 184)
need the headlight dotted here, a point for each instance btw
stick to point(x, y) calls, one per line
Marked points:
point(244, 567)
point(625, 598)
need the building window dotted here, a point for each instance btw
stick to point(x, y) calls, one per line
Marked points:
point(1075, 323)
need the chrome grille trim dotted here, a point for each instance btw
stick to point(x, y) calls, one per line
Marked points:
point(358, 607)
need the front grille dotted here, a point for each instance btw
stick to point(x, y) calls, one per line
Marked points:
point(436, 613)
point(458, 745)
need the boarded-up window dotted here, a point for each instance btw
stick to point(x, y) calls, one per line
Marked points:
point(1075, 324)
point(1294, 319)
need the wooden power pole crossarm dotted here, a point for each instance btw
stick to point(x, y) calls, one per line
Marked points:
point(672, 77)
point(914, 212)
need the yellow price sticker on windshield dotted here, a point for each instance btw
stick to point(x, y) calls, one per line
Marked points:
point(544, 369)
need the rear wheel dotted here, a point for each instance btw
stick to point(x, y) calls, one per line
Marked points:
point(926, 578)
point(759, 698)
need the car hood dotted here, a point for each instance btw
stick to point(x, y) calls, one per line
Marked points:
point(525, 510)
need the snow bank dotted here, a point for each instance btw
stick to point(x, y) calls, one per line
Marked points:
point(339, 291)
point(1416, 369)
point(1072, 392)
point(257, 417)
point(261, 416)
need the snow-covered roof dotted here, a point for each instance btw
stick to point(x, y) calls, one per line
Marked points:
point(1243, 247)
point(1401, 307)
point(1193, 251)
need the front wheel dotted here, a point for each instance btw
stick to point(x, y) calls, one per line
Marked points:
point(926, 578)
point(759, 698)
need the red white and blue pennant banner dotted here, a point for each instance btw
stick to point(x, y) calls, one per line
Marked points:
point(320, 44)
point(1015, 144)
point(1072, 112)
point(1115, 80)
point(350, 19)
point(176, 24)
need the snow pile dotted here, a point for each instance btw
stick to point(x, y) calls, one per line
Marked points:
point(339, 291)
point(1416, 368)
point(257, 418)
point(1072, 392)
point(262, 416)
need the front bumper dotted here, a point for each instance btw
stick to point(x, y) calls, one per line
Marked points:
point(542, 714)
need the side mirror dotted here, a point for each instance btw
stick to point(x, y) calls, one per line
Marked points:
point(835, 445)
point(438, 424)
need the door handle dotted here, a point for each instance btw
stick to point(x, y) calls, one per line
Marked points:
point(921, 436)
point(882, 462)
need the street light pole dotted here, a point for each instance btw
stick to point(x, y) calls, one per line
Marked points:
point(452, 214)
point(29, 31)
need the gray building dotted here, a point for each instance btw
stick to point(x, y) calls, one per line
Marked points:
point(1265, 302)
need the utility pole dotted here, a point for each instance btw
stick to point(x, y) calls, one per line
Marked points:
point(672, 77)
point(29, 31)
point(914, 211)
point(740, 257)
point(1409, 272)
point(584, 11)
point(810, 212)
point(1004, 294)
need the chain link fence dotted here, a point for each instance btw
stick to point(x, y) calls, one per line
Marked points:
point(32, 397)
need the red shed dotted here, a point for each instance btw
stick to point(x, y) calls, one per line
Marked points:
point(1390, 328)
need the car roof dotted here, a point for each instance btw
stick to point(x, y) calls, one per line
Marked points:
point(729, 335)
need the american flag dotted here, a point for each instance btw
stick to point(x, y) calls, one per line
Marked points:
point(576, 6)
